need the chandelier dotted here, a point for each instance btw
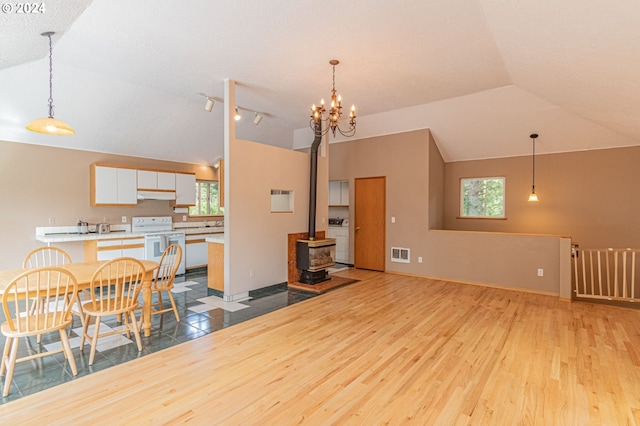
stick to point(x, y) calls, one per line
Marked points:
point(320, 115)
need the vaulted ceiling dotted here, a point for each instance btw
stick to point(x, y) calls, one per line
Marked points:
point(481, 74)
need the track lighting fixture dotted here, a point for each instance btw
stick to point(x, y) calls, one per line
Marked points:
point(211, 100)
point(209, 105)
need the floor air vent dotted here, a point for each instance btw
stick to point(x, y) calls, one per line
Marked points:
point(401, 255)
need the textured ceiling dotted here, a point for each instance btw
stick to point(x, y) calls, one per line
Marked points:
point(481, 74)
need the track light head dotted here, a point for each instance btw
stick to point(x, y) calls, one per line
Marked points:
point(237, 116)
point(257, 118)
point(209, 105)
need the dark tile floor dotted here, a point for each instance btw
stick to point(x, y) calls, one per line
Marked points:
point(36, 375)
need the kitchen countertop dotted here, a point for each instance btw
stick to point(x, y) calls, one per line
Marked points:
point(218, 239)
point(66, 237)
point(202, 230)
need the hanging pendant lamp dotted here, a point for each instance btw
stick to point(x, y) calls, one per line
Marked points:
point(533, 196)
point(50, 125)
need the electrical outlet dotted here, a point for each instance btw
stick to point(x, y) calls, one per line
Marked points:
point(252, 273)
point(419, 259)
point(184, 218)
point(52, 221)
point(393, 219)
point(124, 219)
point(540, 272)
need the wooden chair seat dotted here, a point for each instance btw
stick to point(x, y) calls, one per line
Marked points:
point(30, 327)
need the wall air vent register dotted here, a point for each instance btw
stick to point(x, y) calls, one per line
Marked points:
point(401, 255)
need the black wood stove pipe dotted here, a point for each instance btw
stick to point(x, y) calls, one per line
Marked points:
point(313, 178)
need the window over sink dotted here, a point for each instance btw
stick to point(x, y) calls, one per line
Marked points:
point(207, 199)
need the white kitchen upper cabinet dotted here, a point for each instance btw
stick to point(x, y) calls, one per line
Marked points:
point(339, 193)
point(113, 186)
point(185, 189)
point(156, 180)
point(127, 191)
point(105, 185)
point(167, 181)
point(147, 179)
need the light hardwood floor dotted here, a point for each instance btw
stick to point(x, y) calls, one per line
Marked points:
point(389, 349)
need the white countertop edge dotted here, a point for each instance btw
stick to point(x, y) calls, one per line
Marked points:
point(201, 230)
point(71, 237)
point(218, 239)
point(67, 238)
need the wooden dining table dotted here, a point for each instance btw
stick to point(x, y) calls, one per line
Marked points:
point(83, 271)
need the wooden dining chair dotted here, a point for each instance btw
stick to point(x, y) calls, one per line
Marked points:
point(163, 281)
point(52, 256)
point(46, 256)
point(55, 291)
point(114, 289)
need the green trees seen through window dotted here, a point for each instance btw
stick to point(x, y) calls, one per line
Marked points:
point(482, 197)
point(207, 200)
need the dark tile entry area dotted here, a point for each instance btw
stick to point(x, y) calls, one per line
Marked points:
point(203, 318)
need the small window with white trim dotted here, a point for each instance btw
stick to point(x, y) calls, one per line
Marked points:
point(482, 197)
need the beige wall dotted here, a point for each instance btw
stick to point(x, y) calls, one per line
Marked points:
point(404, 159)
point(256, 239)
point(39, 182)
point(436, 186)
point(591, 196)
point(417, 193)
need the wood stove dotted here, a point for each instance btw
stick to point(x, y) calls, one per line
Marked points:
point(313, 257)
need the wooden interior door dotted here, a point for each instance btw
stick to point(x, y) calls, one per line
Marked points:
point(369, 226)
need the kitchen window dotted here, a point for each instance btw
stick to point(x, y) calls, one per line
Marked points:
point(482, 197)
point(207, 199)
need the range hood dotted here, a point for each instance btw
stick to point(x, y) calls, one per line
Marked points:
point(156, 195)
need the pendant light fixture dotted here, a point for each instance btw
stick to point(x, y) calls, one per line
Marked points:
point(334, 113)
point(533, 196)
point(50, 125)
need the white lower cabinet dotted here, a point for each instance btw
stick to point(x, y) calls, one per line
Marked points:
point(197, 249)
point(127, 247)
point(342, 243)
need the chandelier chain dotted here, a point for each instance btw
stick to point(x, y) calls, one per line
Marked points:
point(50, 77)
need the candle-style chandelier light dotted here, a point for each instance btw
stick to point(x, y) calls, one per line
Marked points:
point(320, 115)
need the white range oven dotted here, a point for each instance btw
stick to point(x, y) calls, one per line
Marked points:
point(158, 235)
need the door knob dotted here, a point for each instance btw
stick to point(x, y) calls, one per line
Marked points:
point(357, 228)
